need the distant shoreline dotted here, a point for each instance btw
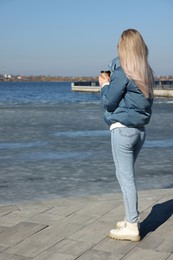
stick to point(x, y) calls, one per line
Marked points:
point(47, 78)
point(42, 78)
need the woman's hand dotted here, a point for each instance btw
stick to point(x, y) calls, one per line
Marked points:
point(103, 79)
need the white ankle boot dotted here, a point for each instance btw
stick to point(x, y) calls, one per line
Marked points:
point(130, 231)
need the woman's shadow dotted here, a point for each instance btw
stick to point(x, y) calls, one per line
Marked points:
point(158, 215)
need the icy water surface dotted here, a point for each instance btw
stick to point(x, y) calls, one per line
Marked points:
point(52, 149)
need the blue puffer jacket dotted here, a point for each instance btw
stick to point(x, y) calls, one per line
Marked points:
point(123, 100)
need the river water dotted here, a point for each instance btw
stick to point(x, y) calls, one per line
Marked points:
point(55, 143)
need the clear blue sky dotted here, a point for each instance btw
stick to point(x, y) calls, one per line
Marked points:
point(79, 37)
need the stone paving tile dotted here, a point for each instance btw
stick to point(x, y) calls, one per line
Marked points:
point(7, 209)
point(145, 254)
point(46, 218)
point(66, 247)
point(34, 207)
point(64, 210)
point(4, 256)
point(94, 232)
point(54, 256)
point(98, 255)
point(14, 218)
point(81, 219)
point(97, 208)
point(43, 240)
point(78, 201)
point(118, 248)
point(3, 229)
point(145, 204)
point(3, 248)
point(170, 257)
point(19, 232)
point(25, 211)
point(115, 214)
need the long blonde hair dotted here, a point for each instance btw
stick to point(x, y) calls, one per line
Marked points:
point(133, 55)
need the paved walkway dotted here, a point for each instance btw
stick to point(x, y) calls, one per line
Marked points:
point(77, 228)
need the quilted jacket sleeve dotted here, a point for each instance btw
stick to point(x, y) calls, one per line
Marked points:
point(112, 94)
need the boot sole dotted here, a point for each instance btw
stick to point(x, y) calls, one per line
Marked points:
point(129, 238)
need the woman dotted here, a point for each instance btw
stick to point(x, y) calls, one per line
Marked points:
point(127, 97)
